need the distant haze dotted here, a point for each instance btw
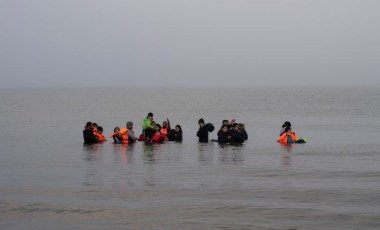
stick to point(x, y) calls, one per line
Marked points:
point(79, 43)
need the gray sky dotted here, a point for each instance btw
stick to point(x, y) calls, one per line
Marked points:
point(60, 43)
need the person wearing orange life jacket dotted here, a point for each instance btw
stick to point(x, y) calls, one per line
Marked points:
point(127, 134)
point(115, 135)
point(88, 134)
point(95, 129)
point(288, 136)
point(157, 137)
point(165, 130)
point(100, 135)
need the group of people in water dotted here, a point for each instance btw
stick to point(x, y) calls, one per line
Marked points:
point(230, 132)
point(152, 132)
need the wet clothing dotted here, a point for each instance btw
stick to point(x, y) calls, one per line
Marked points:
point(236, 136)
point(131, 136)
point(175, 136)
point(158, 138)
point(116, 137)
point(89, 137)
point(223, 137)
point(203, 134)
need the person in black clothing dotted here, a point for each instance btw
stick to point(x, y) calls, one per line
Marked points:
point(236, 135)
point(88, 134)
point(202, 131)
point(223, 135)
point(243, 131)
point(176, 134)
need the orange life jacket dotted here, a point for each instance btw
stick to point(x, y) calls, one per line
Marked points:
point(95, 131)
point(124, 135)
point(158, 138)
point(284, 138)
point(164, 131)
point(101, 137)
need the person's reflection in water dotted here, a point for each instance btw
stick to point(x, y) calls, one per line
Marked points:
point(205, 155)
point(231, 155)
point(149, 157)
point(124, 153)
point(286, 150)
point(150, 163)
point(92, 151)
point(92, 154)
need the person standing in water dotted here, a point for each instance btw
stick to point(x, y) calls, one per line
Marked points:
point(127, 134)
point(88, 134)
point(147, 126)
point(288, 136)
point(176, 134)
point(202, 131)
point(165, 129)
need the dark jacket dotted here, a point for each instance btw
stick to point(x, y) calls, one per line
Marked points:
point(89, 137)
point(223, 137)
point(236, 137)
point(244, 134)
point(203, 134)
point(175, 136)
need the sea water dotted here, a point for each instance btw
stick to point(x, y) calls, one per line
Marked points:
point(50, 180)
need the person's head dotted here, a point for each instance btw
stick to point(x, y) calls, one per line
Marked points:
point(286, 124)
point(236, 126)
point(225, 122)
point(288, 129)
point(178, 129)
point(225, 128)
point(150, 116)
point(88, 124)
point(242, 126)
point(116, 130)
point(100, 129)
point(157, 127)
point(94, 125)
point(153, 123)
point(201, 122)
point(129, 125)
point(164, 124)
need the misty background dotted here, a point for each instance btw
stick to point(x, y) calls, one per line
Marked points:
point(71, 43)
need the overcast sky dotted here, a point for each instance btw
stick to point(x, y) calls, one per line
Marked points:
point(63, 43)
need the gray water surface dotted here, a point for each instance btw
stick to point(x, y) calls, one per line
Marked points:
point(50, 180)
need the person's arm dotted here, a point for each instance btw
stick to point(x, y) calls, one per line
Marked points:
point(167, 119)
point(131, 136)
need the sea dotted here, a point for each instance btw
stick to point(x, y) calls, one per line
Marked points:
point(50, 180)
